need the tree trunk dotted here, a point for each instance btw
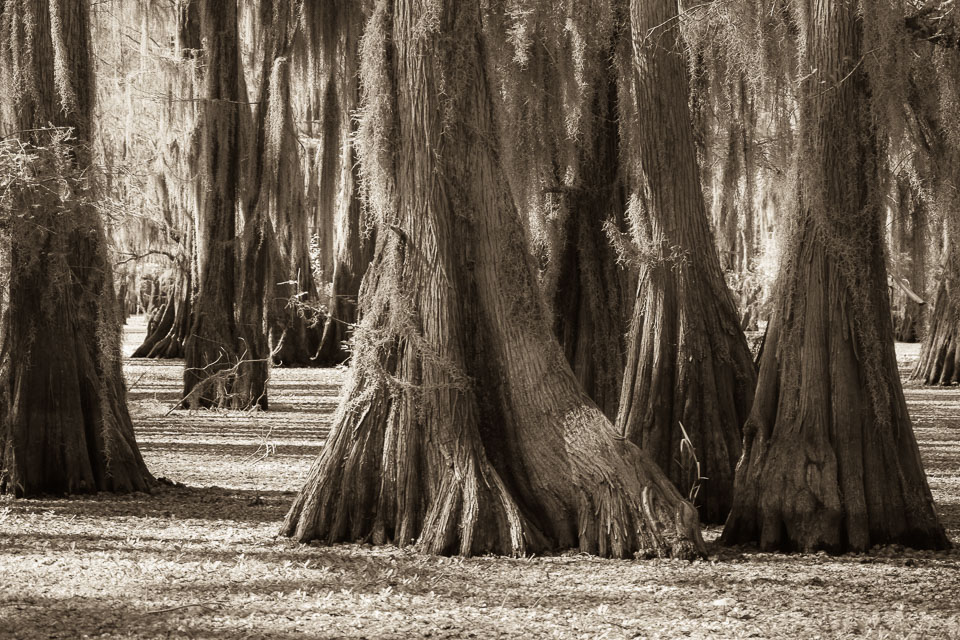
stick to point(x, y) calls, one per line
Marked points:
point(64, 424)
point(939, 362)
point(688, 364)
point(275, 231)
point(213, 350)
point(589, 300)
point(166, 337)
point(352, 251)
point(188, 40)
point(829, 459)
point(327, 163)
point(462, 427)
point(727, 216)
point(294, 324)
point(353, 255)
point(909, 229)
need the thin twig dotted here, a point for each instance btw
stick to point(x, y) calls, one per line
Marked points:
point(156, 252)
point(183, 606)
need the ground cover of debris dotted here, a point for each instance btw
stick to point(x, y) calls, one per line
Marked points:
point(203, 561)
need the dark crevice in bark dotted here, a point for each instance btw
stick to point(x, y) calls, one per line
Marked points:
point(591, 297)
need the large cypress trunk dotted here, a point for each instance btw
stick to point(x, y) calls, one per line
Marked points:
point(462, 426)
point(279, 226)
point(829, 459)
point(688, 365)
point(213, 352)
point(64, 424)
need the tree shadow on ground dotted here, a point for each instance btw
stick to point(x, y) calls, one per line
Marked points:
point(277, 448)
point(45, 617)
point(169, 502)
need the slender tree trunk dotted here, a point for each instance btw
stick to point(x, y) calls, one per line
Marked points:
point(352, 248)
point(327, 163)
point(829, 459)
point(939, 362)
point(213, 350)
point(688, 365)
point(727, 217)
point(462, 427)
point(64, 424)
point(909, 229)
point(353, 254)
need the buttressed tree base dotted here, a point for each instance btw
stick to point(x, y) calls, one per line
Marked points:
point(462, 428)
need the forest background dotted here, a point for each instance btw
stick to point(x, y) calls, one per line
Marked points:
point(540, 232)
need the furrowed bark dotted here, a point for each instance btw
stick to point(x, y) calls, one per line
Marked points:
point(688, 364)
point(213, 351)
point(462, 427)
point(64, 424)
point(829, 459)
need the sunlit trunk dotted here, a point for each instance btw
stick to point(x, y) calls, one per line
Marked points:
point(829, 460)
point(64, 424)
point(462, 427)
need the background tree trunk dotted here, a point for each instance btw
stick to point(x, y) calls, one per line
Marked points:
point(352, 247)
point(280, 216)
point(213, 350)
point(687, 361)
point(910, 239)
point(64, 424)
point(939, 362)
point(353, 255)
point(165, 339)
point(829, 460)
point(175, 195)
point(462, 426)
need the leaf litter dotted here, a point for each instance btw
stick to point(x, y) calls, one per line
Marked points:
point(199, 558)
